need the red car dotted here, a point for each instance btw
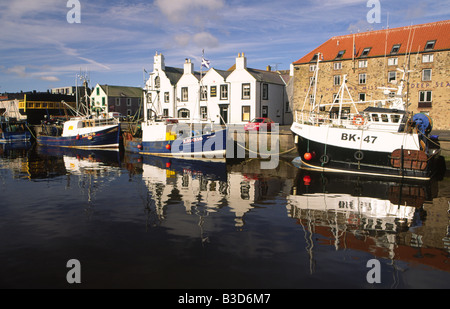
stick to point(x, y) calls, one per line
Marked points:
point(257, 122)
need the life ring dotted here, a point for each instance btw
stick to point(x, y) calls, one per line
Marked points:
point(358, 120)
point(359, 155)
point(324, 159)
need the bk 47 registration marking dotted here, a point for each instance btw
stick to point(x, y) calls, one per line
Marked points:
point(353, 138)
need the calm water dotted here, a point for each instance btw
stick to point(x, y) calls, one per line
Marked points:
point(135, 222)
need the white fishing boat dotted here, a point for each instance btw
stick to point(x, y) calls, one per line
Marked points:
point(384, 139)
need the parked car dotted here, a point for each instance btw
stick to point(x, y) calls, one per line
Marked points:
point(256, 123)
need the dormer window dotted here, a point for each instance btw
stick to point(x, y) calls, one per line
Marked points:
point(366, 51)
point(340, 54)
point(395, 48)
point(430, 45)
point(314, 58)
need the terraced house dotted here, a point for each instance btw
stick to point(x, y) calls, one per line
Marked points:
point(374, 59)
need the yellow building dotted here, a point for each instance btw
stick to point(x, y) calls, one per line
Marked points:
point(375, 59)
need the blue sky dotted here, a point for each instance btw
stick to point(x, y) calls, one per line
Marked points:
point(117, 39)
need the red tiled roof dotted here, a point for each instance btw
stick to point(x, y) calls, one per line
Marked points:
point(412, 39)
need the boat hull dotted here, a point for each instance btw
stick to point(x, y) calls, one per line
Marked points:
point(15, 137)
point(374, 153)
point(105, 138)
point(207, 146)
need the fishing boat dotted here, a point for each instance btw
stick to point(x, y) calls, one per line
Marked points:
point(84, 131)
point(188, 138)
point(13, 131)
point(81, 132)
point(384, 139)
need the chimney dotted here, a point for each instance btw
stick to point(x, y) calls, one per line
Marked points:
point(158, 63)
point(269, 68)
point(188, 67)
point(241, 62)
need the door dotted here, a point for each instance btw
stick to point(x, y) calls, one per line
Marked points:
point(223, 114)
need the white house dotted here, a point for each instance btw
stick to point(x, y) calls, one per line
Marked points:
point(234, 96)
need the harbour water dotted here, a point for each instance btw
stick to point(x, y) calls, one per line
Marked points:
point(154, 223)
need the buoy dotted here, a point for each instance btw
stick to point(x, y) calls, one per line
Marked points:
point(168, 146)
point(168, 165)
point(307, 156)
point(78, 136)
point(139, 146)
point(307, 180)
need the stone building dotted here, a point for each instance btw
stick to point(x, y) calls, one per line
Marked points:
point(375, 59)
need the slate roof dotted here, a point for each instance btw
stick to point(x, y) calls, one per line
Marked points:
point(122, 91)
point(411, 39)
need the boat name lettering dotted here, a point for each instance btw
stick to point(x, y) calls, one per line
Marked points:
point(193, 140)
point(353, 138)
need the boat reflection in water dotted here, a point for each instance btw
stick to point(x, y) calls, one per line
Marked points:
point(378, 216)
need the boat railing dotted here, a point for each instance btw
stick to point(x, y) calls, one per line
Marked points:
point(326, 118)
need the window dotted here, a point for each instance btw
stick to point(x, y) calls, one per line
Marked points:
point(338, 65)
point(384, 118)
point(426, 75)
point(425, 98)
point(204, 112)
point(335, 98)
point(340, 54)
point(128, 112)
point(265, 112)
point(311, 99)
point(375, 117)
point(312, 67)
point(392, 76)
point(103, 101)
point(392, 61)
point(117, 101)
point(366, 52)
point(166, 112)
point(362, 78)
point(184, 94)
point(265, 90)
point(166, 97)
point(362, 97)
point(183, 113)
point(362, 64)
point(224, 92)
point(246, 113)
point(245, 91)
point(337, 80)
point(213, 91)
point(395, 48)
point(312, 80)
point(427, 58)
point(128, 101)
point(203, 93)
point(98, 90)
point(430, 45)
point(395, 118)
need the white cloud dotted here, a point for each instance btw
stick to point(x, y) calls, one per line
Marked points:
point(183, 10)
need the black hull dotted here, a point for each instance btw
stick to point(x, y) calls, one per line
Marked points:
point(329, 158)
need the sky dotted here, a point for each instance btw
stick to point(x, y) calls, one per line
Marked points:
point(115, 40)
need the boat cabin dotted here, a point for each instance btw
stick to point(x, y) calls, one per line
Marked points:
point(385, 119)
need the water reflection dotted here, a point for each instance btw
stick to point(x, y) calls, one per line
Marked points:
point(257, 228)
point(383, 217)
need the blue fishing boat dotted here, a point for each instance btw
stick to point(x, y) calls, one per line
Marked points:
point(13, 131)
point(83, 133)
point(172, 138)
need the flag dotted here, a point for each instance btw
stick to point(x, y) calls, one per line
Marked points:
point(205, 63)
